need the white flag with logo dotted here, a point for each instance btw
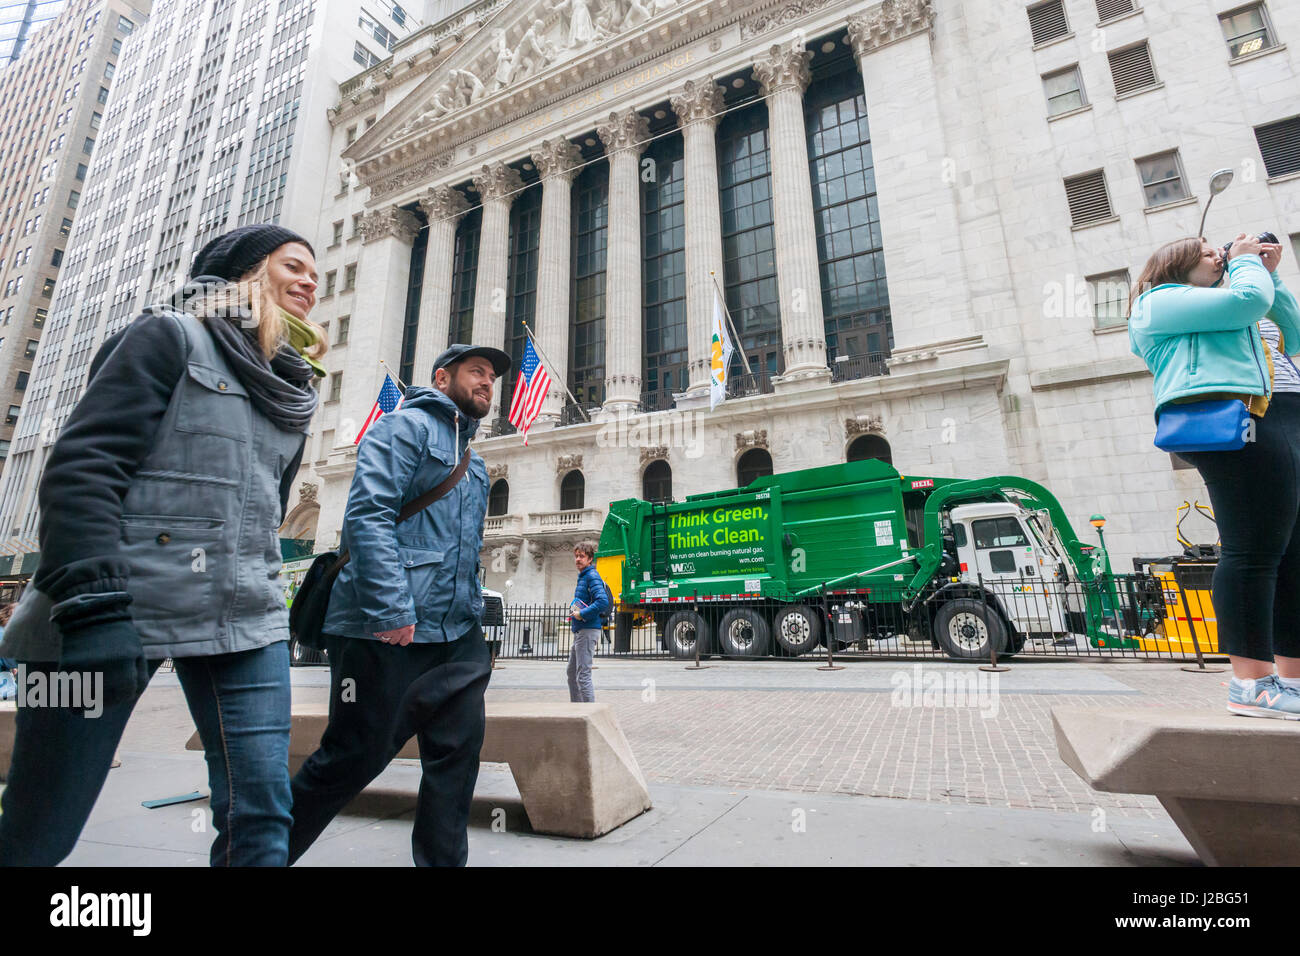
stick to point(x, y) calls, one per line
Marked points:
point(720, 352)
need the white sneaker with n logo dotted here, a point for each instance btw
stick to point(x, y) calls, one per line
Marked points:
point(1265, 697)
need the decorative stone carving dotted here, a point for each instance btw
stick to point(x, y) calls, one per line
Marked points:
point(443, 202)
point(508, 553)
point(864, 425)
point(567, 463)
point(412, 175)
point(790, 13)
point(716, 44)
point(498, 471)
point(785, 66)
point(466, 88)
point(497, 181)
point(699, 101)
point(532, 54)
point(653, 453)
point(389, 221)
point(751, 439)
point(306, 492)
point(538, 553)
point(889, 22)
point(626, 130)
point(557, 158)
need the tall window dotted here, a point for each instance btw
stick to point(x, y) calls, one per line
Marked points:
point(867, 447)
point(855, 294)
point(587, 315)
point(572, 491)
point(663, 271)
point(752, 464)
point(499, 498)
point(525, 236)
point(412, 318)
point(463, 277)
point(657, 482)
point(748, 259)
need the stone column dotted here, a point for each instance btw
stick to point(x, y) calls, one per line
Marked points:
point(625, 136)
point(383, 275)
point(443, 206)
point(557, 162)
point(697, 107)
point(912, 163)
point(496, 184)
point(784, 75)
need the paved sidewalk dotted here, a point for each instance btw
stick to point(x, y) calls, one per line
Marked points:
point(889, 762)
point(689, 826)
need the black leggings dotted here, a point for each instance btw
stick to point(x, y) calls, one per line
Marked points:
point(1256, 496)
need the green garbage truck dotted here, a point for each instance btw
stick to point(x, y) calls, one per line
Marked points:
point(857, 553)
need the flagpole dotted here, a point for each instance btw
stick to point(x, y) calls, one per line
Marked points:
point(551, 367)
point(388, 371)
point(734, 334)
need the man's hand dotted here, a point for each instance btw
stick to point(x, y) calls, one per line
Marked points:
point(399, 637)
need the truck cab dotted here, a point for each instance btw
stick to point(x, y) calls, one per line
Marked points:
point(1010, 551)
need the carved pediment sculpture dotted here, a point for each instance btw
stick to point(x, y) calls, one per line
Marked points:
point(533, 53)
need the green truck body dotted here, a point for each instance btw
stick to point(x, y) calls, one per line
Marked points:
point(859, 529)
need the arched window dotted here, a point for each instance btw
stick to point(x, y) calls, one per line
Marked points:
point(866, 447)
point(572, 490)
point(657, 482)
point(499, 498)
point(753, 464)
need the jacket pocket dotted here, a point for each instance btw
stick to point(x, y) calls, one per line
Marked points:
point(213, 402)
point(1196, 353)
point(176, 563)
point(422, 566)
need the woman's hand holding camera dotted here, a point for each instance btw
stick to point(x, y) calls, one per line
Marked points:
point(1270, 253)
point(1243, 245)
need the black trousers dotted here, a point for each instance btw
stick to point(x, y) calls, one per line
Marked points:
point(380, 697)
point(1256, 496)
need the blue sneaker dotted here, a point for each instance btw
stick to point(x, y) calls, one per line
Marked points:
point(1268, 698)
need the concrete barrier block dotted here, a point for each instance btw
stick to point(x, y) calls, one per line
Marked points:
point(1228, 782)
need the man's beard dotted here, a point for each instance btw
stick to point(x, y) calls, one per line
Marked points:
point(472, 407)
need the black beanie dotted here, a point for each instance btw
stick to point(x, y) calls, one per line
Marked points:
point(232, 255)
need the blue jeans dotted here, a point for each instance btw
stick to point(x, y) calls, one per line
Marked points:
point(579, 671)
point(240, 704)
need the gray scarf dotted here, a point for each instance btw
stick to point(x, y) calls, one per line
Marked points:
point(280, 389)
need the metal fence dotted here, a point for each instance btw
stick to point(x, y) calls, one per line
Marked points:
point(1135, 617)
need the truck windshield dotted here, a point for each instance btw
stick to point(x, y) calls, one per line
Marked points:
point(999, 533)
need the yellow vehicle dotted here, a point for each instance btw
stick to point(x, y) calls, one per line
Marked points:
point(1185, 580)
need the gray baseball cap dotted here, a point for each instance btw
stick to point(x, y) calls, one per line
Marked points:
point(499, 359)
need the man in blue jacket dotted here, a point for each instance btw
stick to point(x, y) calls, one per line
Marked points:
point(407, 655)
point(590, 604)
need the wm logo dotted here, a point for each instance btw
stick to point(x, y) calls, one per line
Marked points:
point(683, 567)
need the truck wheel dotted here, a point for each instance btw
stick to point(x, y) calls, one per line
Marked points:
point(682, 631)
point(798, 629)
point(965, 628)
point(743, 632)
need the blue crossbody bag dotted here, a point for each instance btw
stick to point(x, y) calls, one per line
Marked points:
point(1218, 425)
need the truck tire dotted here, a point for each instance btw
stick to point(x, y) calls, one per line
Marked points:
point(682, 631)
point(743, 632)
point(965, 628)
point(798, 629)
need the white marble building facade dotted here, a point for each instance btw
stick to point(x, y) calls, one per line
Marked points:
point(1000, 359)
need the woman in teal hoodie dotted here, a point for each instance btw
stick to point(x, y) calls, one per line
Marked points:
point(1202, 342)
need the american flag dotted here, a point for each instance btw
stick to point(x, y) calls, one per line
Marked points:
point(530, 391)
point(389, 399)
